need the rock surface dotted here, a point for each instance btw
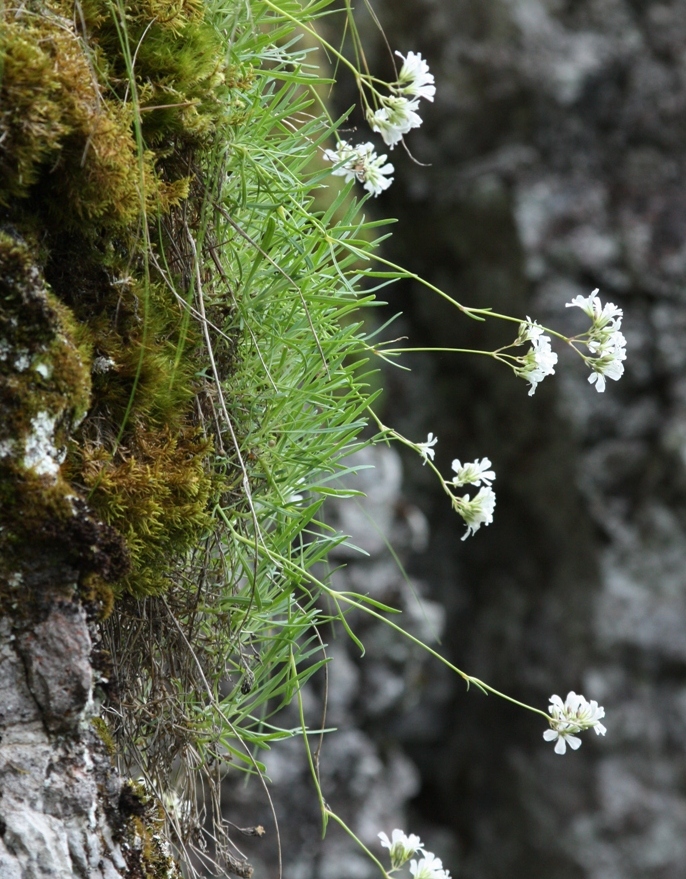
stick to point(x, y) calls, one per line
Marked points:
point(557, 148)
point(56, 790)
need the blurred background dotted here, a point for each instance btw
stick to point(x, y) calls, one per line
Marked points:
point(556, 153)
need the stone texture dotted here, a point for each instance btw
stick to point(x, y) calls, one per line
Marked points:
point(59, 792)
point(56, 654)
point(557, 144)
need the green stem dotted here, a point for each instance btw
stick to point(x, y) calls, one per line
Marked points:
point(313, 33)
point(359, 842)
point(428, 349)
point(352, 602)
point(308, 751)
point(495, 692)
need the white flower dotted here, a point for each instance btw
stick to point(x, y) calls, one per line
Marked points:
point(605, 340)
point(375, 180)
point(572, 716)
point(599, 314)
point(476, 511)
point(361, 163)
point(346, 154)
point(401, 846)
point(428, 867)
point(609, 346)
point(474, 473)
point(394, 119)
point(414, 78)
point(539, 361)
point(608, 341)
point(529, 331)
point(426, 449)
point(604, 367)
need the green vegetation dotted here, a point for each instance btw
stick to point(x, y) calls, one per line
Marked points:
point(185, 371)
point(197, 346)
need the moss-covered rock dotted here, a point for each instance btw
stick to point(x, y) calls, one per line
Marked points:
point(97, 150)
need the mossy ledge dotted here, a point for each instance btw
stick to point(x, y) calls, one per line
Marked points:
point(102, 450)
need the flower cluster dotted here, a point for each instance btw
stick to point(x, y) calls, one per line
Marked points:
point(361, 163)
point(414, 77)
point(540, 360)
point(476, 511)
point(397, 114)
point(474, 473)
point(570, 717)
point(394, 118)
point(401, 848)
point(604, 340)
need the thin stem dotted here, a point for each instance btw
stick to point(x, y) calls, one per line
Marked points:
point(358, 841)
point(308, 751)
point(429, 349)
point(313, 33)
point(495, 692)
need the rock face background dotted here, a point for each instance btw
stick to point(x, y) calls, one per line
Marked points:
point(557, 146)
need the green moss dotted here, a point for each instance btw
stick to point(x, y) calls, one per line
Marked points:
point(88, 157)
point(156, 492)
point(97, 595)
point(44, 363)
point(44, 393)
point(142, 841)
point(104, 734)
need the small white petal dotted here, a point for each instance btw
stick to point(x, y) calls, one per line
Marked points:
point(599, 380)
point(599, 729)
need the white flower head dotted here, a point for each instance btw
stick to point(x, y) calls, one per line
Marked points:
point(601, 315)
point(361, 163)
point(428, 867)
point(426, 450)
point(604, 339)
point(344, 156)
point(414, 78)
point(401, 846)
point(529, 331)
point(395, 118)
point(539, 361)
point(607, 366)
point(476, 511)
point(609, 346)
point(570, 717)
point(473, 473)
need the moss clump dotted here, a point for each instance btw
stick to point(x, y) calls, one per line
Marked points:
point(96, 154)
point(142, 841)
point(156, 492)
point(104, 734)
point(44, 394)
